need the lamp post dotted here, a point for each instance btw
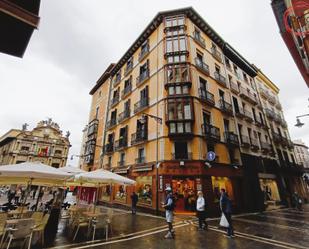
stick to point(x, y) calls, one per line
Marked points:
point(159, 121)
point(299, 124)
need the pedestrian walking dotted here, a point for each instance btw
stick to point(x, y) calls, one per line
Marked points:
point(134, 199)
point(201, 211)
point(169, 206)
point(226, 209)
point(41, 193)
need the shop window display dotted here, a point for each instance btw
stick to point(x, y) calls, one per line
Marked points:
point(222, 182)
point(186, 194)
point(106, 193)
point(121, 194)
point(270, 190)
point(144, 189)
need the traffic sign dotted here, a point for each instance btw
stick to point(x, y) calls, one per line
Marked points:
point(211, 156)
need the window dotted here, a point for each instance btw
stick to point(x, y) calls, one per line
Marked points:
point(226, 124)
point(179, 109)
point(221, 94)
point(217, 68)
point(254, 114)
point(24, 148)
point(122, 158)
point(96, 112)
point(236, 106)
point(128, 83)
point(181, 150)
point(178, 90)
point(141, 154)
point(199, 56)
point(203, 84)
point(245, 77)
point(177, 73)
point(129, 64)
point(176, 45)
point(109, 161)
point(227, 63)
point(174, 21)
point(206, 118)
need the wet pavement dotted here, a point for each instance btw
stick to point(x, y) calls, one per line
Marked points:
point(281, 228)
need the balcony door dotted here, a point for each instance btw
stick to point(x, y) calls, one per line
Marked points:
point(181, 150)
point(236, 106)
point(206, 118)
point(110, 138)
point(144, 93)
point(141, 128)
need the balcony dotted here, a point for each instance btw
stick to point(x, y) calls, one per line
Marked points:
point(211, 132)
point(276, 137)
point(109, 148)
point(234, 87)
point(231, 138)
point(128, 69)
point(141, 79)
point(216, 54)
point(284, 123)
point(250, 97)
point(272, 99)
point(182, 156)
point(121, 163)
point(264, 93)
point(115, 100)
point(207, 96)
point(117, 80)
point(290, 144)
point(278, 105)
point(140, 160)
point(122, 143)
point(139, 137)
point(110, 123)
point(266, 147)
point(239, 112)
point(270, 113)
point(126, 91)
point(277, 118)
point(203, 67)
point(258, 121)
point(226, 107)
point(141, 105)
point(143, 53)
point(199, 39)
point(248, 116)
point(220, 79)
point(123, 115)
point(284, 141)
point(255, 144)
point(245, 141)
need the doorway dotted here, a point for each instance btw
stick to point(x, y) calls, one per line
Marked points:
point(185, 191)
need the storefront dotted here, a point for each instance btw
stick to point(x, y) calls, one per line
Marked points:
point(144, 190)
point(218, 183)
point(269, 187)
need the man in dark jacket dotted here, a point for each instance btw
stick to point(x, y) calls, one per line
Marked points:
point(226, 208)
point(134, 199)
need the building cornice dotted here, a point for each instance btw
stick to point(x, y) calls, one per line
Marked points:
point(267, 81)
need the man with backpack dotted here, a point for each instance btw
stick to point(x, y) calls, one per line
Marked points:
point(169, 206)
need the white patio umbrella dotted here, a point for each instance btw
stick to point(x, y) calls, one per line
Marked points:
point(72, 170)
point(101, 176)
point(35, 172)
point(32, 173)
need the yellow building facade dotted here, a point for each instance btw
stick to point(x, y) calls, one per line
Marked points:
point(179, 94)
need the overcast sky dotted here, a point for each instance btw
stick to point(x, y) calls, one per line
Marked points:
point(77, 40)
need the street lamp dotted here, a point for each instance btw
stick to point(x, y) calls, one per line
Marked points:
point(159, 121)
point(299, 124)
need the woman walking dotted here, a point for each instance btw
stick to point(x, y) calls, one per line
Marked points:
point(201, 211)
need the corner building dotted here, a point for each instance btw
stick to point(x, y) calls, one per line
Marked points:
point(179, 92)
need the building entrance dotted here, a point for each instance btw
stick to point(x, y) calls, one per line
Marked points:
point(185, 191)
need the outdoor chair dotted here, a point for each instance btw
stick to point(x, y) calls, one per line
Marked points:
point(3, 218)
point(37, 216)
point(109, 220)
point(41, 227)
point(100, 223)
point(79, 222)
point(23, 229)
